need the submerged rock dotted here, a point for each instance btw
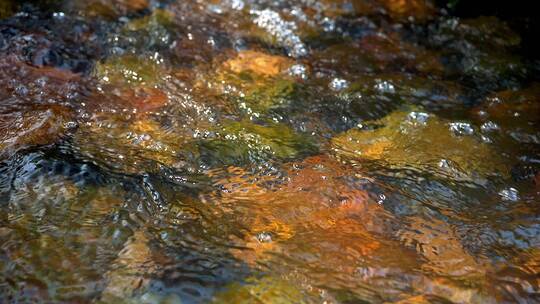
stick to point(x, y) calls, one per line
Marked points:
point(130, 70)
point(62, 211)
point(256, 82)
point(130, 272)
point(320, 211)
point(314, 200)
point(512, 116)
point(424, 142)
point(420, 10)
point(442, 249)
point(512, 108)
point(389, 50)
point(379, 52)
point(155, 37)
point(158, 20)
point(258, 63)
point(399, 10)
point(106, 9)
point(128, 146)
point(480, 50)
point(260, 290)
point(144, 100)
point(372, 97)
point(278, 93)
point(244, 142)
point(29, 126)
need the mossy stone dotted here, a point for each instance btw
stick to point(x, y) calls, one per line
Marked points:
point(244, 142)
point(130, 69)
point(422, 141)
point(260, 290)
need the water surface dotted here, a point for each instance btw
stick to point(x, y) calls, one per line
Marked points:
point(253, 151)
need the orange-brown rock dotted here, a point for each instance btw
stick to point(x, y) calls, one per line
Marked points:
point(145, 99)
point(513, 106)
point(312, 201)
point(110, 9)
point(32, 126)
point(402, 9)
point(439, 245)
point(130, 270)
point(388, 51)
point(258, 63)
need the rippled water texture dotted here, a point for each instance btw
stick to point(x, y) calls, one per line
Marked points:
point(254, 151)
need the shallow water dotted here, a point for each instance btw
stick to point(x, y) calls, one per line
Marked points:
point(328, 151)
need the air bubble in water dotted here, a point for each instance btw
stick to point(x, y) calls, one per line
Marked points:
point(489, 126)
point(264, 237)
point(418, 117)
point(283, 31)
point(461, 128)
point(338, 84)
point(298, 70)
point(385, 87)
point(509, 194)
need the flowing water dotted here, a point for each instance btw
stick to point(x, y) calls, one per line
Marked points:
point(256, 151)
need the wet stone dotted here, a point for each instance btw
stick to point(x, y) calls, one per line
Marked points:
point(512, 107)
point(257, 82)
point(379, 51)
point(441, 247)
point(390, 143)
point(128, 277)
point(109, 10)
point(37, 85)
point(420, 10)
point(154, 37)
point(130, 69)
point(244, 142)
point(388, 91)
point(259, 63)
point(59, 208)
point(401, 10)
point(35, 126)
point(515, 113)
point(318, 212)
point(129, 146)
point(473, 49)
point(266, 289)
